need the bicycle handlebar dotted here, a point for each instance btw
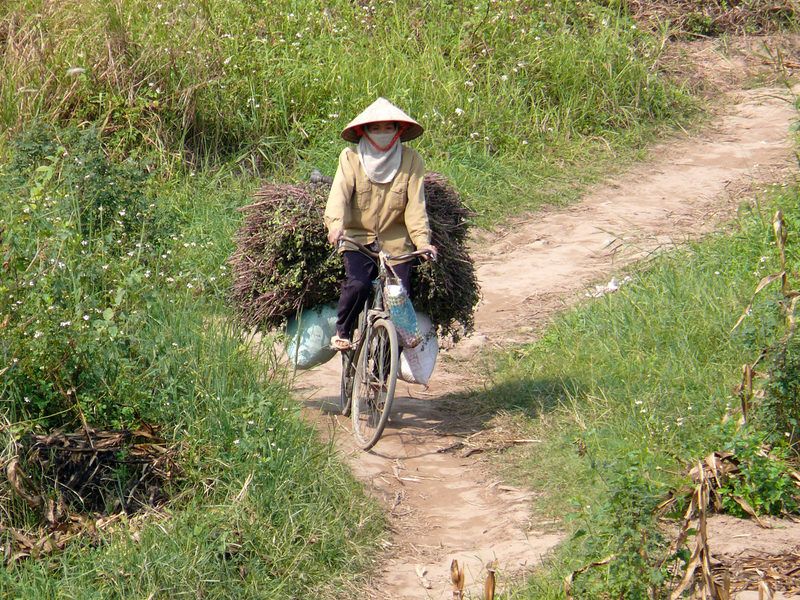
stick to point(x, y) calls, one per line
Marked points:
point(427, 254)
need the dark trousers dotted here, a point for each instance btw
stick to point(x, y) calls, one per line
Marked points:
point(360, 271)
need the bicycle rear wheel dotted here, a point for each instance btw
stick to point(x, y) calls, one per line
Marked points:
point(346, 392)
point(349, 360)
point(374, 383)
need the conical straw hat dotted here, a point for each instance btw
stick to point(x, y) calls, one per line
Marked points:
point(382, 110)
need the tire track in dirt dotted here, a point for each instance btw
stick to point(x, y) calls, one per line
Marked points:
point(444, 506)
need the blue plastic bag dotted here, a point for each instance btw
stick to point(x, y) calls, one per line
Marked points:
point(403, 315)
point(310, 337)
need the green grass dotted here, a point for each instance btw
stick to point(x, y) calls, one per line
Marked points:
point(512, 96)
point(627, 390)
point(260, 508)
point(113, 286)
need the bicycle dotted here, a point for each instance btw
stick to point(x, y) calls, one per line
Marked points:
point(370, 365)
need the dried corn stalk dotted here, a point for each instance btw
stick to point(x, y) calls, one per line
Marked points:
point(457, 577)
point(781, 233)
point(490, 585)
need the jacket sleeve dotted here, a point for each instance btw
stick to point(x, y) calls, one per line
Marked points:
point(341, 190)
point(416, 216)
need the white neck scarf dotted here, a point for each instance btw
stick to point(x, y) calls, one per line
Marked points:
point(381, 167)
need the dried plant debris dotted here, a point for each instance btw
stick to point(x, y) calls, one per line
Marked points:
point(475, 436)
point(496, 439)
point(722, 578)
point(283, 263)
point(79, 483)
point(776, 573)
point(457, 577)
point(703, 18)
point(447, 290)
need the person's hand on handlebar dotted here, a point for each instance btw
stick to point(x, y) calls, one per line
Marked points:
point(334, 235)
point(429, 248)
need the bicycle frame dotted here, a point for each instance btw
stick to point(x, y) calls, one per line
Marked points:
point(374, 307)
point(370, 365)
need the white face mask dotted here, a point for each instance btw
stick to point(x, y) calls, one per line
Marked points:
point(382, 139)
point(381, 165)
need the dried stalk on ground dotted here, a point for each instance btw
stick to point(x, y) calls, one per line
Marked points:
point(79, 482)
point(457, 577)
point(702, 18)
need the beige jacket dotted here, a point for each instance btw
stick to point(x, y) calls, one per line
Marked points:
point(393, 212)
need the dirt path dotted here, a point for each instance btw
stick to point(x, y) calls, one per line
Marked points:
point(446, 506)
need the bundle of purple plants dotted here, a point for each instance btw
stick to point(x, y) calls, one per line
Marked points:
point(283, 263)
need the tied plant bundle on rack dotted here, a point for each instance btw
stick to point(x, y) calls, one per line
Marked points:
point(447, 290)
point(283, 263)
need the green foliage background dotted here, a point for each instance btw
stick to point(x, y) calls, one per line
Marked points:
point(111, 314)
point(510, 93)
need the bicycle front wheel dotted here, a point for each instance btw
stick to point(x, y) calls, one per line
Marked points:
point(374, 383)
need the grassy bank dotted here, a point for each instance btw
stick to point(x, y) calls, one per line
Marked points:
point(515, 98)
point(113, 317)
point(630, 390)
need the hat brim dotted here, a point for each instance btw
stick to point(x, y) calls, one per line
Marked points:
point(413, 131)
point(382, 110)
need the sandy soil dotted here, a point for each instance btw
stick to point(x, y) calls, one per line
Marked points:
point(447, 505)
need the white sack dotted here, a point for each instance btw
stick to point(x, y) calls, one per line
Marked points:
point(417, 363)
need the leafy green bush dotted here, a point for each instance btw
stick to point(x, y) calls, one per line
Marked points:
point(782, 393)
point(72, 277)
point(87, 254)
point(624, 533)
point(103, 196)
point(764, 480)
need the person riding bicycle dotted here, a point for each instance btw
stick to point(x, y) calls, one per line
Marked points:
point(378, 199)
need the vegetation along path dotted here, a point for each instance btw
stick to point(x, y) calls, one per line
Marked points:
point(427, 469)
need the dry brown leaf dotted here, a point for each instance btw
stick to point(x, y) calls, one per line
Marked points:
point(749, 510)
point(716, 464)
point(571, 577)
point(19, 480)
point(457, 577)
point(22, 539)
point(489, 586)
point(765, 281)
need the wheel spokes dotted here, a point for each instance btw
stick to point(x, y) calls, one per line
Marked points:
point(371, 393)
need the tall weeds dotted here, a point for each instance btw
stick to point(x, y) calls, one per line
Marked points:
point(273, 85)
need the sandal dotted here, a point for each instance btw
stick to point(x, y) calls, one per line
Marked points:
point(340, 344)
